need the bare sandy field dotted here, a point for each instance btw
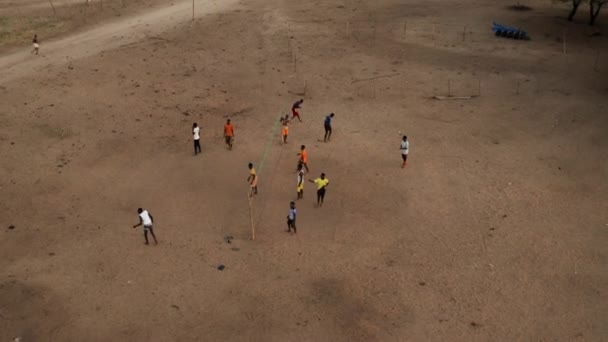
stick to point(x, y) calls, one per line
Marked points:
point(495, 231)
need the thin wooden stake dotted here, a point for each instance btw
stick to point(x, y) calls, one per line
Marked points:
point(449, 88)
point(251, 217)
point(374, 42)
point(192, 10)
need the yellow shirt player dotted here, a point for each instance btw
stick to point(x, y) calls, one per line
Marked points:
point(300, 186)
point(253, 180)
point(322, 184)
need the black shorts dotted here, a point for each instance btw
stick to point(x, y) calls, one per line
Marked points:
point(327, 128)
point(321, 192)
point(228, 140)
point(291, 223)
point(404, 156)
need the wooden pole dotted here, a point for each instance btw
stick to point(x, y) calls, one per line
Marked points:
point(373, 89)
point(449, 88)
point(374, 38)
point(251, 217)
point(192, 10)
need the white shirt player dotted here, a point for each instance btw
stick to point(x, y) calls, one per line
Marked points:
point(145, 218)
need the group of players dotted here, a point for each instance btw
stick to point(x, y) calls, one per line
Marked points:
point(146, 219)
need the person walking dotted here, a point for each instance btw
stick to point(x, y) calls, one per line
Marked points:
point(147, 220)
point(405, 146)
point(327, 125)
point(35, 44)
point(303, 158)
point(253, 180)
point(229, 134)
point(291, 218)
point(295, 109)
point(196, 134)
point(322, 184)
point(300, 186)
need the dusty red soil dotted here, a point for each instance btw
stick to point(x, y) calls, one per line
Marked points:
point(495, 231)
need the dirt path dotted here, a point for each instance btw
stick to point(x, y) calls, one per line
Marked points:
point(104, 37)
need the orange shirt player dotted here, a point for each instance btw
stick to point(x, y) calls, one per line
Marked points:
point(285, 130)
point(229, 134)
point(303, 158)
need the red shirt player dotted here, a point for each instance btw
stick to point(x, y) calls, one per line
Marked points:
point(295, 110)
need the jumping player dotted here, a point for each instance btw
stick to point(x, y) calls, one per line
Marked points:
point(253, 180)
point(322, 184)
point(146, 219)
point(303, 158)
point(405, 146)
point(327, 125)
point(229, 134)
point(295, 109)
point(291, 218)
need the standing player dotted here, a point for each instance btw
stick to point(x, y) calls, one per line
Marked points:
point(196, 134)
point(300, 187)
point(327, 125)
point(322, 184)
point(405, 146)
point(35, 44)
point(253, 180)
point(295, 109)
point(303, 158)
point(291, 218)
point(229, 134)
point(146, 219)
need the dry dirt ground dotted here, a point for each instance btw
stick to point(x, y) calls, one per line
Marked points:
point(496, 230)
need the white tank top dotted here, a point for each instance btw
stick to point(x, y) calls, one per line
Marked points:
point(145, 218)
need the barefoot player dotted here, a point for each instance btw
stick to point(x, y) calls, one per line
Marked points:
point(300, 186)
point(327, 125)
point(291, 218)
point(295, 109)
point(322, 184)
point(146, 219)
point(229, 134)
point(303, 158)
point(405, 146)
point(253, 180)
